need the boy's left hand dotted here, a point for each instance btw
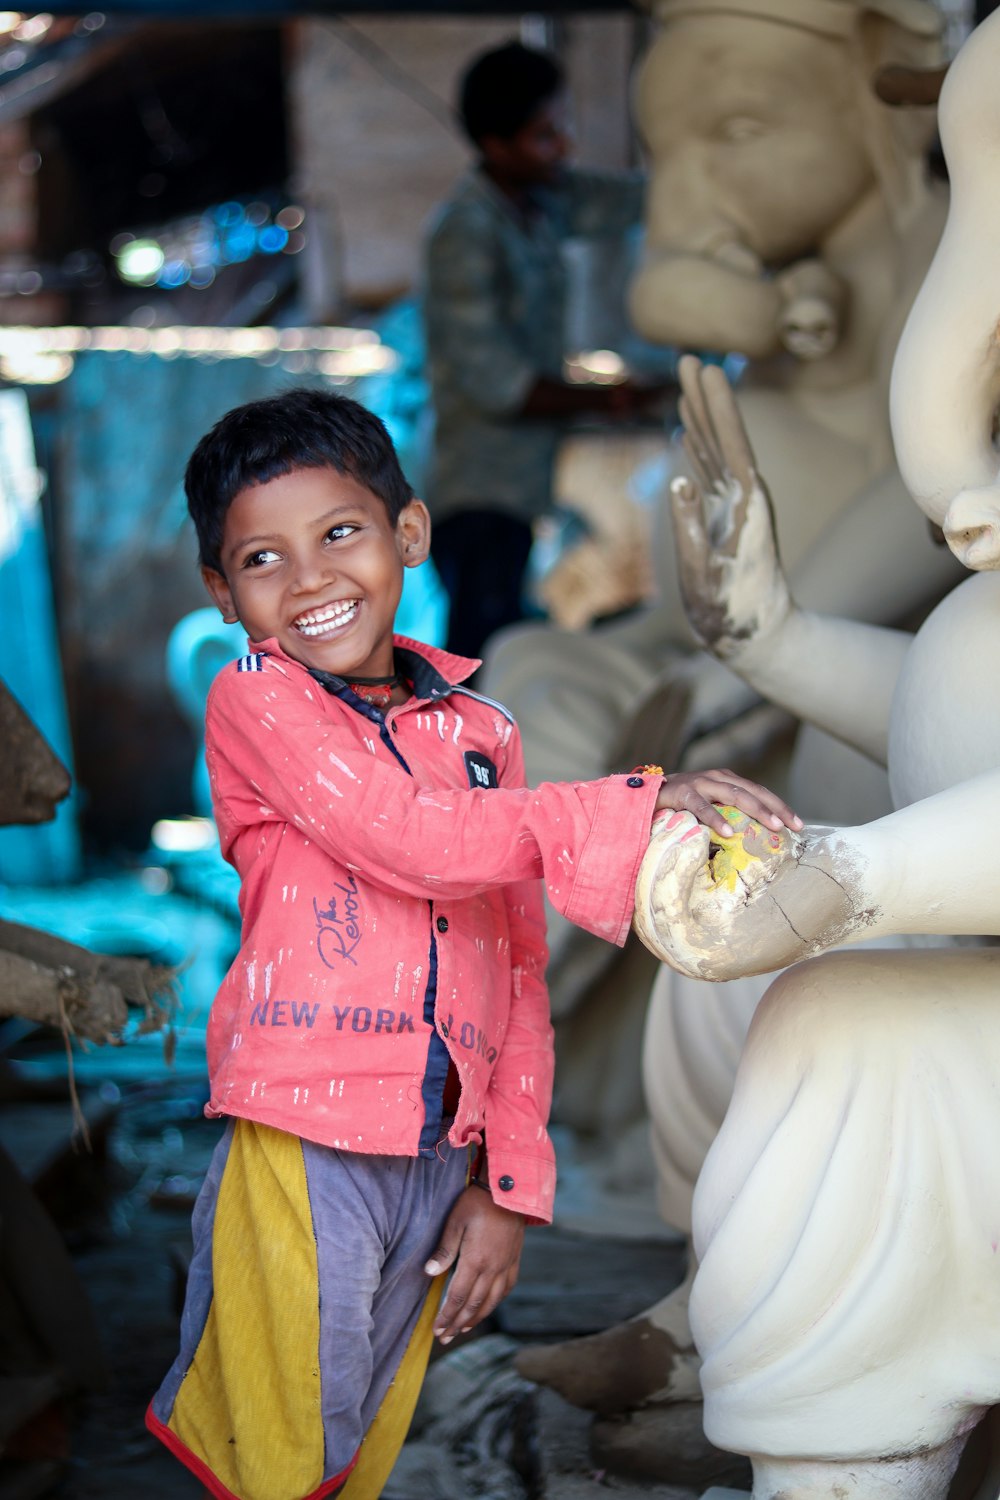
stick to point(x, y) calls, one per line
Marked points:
point(703, 792)
point(485, 1241)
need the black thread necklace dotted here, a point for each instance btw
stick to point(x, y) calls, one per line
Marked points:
point(376, 691)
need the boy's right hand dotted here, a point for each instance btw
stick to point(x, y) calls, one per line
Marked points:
point(483, 1242)
point(704, 792)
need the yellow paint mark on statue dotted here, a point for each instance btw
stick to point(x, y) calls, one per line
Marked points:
point(750, 843)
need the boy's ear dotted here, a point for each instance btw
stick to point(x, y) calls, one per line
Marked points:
point(219, 590)
point(414, 530)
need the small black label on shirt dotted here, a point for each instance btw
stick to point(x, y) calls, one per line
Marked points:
point(482, 771)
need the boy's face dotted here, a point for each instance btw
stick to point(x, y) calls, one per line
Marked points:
point(312, 559)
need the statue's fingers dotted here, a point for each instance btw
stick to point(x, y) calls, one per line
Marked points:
point(691, 374)
point(690, 534)
point(699, 462)
point(727, 426)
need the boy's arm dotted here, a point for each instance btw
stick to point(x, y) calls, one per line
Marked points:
point(274, 756)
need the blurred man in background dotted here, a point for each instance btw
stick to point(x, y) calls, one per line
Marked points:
point(495, 294)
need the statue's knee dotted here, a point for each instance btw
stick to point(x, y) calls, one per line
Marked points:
point(836, 1005)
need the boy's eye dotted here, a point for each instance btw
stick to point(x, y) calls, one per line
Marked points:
point(338, 532)
point(260, 559)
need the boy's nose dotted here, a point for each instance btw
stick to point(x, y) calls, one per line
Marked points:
point(311, 573)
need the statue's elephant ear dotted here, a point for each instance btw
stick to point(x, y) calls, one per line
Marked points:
point(913, 88)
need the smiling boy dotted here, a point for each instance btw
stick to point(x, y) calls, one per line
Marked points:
point(387, 1009)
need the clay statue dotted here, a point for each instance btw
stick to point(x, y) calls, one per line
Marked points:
point(766, 148)
point(847, 1218)
point(43, 978)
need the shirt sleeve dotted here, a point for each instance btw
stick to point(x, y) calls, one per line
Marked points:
point(520, 1093)
point(466, 326)
point(274, 755)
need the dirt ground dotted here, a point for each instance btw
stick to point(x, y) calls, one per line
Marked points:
point(124, 1213)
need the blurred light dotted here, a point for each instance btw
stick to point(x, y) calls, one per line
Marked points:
point(341, 351)
point(33, 27)
point(140, 261)
point(239, 243)
point(29, 162)
point(183, 835)
point(603, 362)
point(272, 239)
point(227, 234)
point(366, 359)
point(91, 22)
point(596, 367)
point(8, 20)
point(28, 283)
point(174, 273)
point(36, 369)
point(166, 342)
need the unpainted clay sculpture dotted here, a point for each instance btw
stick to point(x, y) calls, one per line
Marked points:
point(766, 147)
point(43, 978)
point(847, 1219)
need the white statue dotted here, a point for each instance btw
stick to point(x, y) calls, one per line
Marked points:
point(768, 149)
point(847, 1219)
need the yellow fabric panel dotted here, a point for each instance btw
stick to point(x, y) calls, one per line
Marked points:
point(387, 1433)
point(259, 1334)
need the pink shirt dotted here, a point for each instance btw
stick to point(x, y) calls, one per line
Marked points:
point(393, 916)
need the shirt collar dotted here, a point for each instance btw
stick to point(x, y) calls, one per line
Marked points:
point(432, 671)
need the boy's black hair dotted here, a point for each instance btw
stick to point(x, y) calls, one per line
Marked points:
point(503, 88)
point(300, 429)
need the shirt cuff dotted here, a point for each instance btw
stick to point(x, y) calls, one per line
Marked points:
point(603, 897)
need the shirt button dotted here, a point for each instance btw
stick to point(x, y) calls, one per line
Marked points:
point(442, 924)
point(635, 781)
point(505, 1184)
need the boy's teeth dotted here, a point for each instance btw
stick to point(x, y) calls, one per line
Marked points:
point(319, 620)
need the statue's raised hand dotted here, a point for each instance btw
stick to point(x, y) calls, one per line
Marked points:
point(719, 907)
point(731, 581)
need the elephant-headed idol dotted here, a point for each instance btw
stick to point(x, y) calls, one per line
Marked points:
point(847, 1219)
